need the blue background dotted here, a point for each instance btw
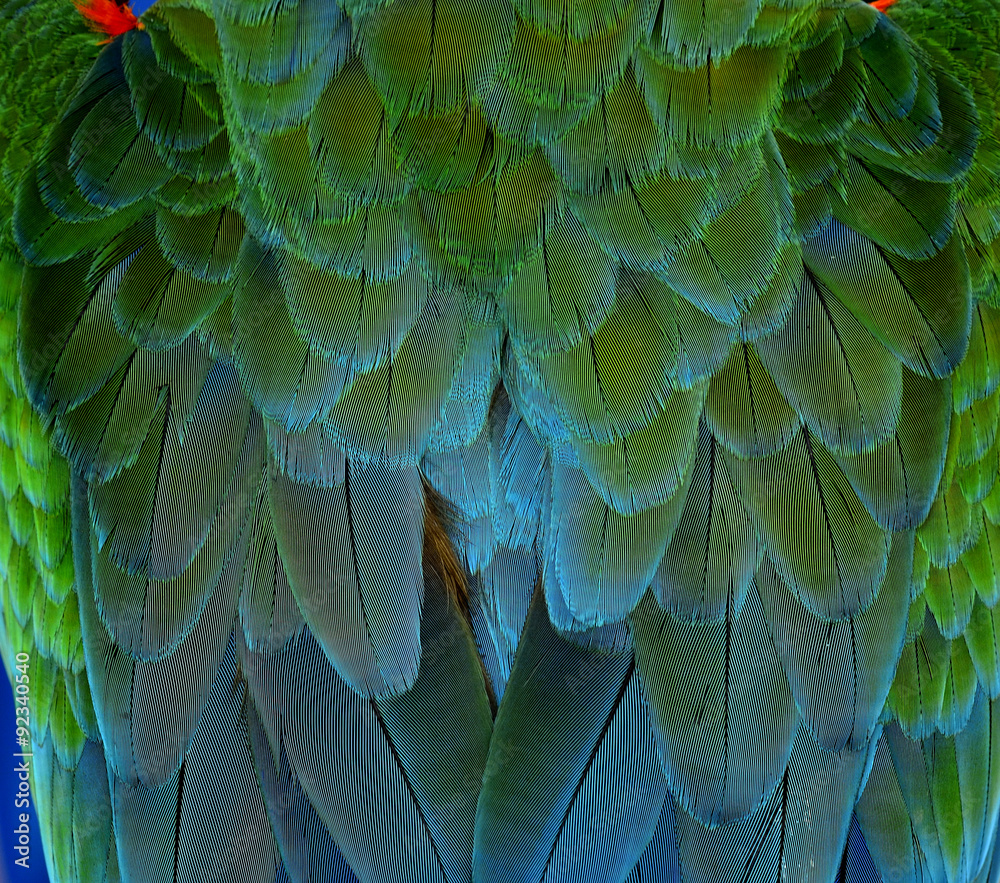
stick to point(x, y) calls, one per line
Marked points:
point(9, 872)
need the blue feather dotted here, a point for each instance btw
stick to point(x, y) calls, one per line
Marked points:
point(393, 779)
point(659, 862)
point(857, 865)
point(148, 711)
point(207, 822)
point(798, 833)
point(572, 730)
point(352, 554)
point(308, 852)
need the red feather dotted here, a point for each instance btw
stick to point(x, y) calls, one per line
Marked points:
point(107, 17)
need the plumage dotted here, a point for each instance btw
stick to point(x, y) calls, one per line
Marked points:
point(841, 710)
point(706, 713)
point(334, 543)
point(713, 554)
point(331, 733)
point(598, 722)
point(759, 847)
point(519, 440)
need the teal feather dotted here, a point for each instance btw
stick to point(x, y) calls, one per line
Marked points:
point(104, 435)
point(145, 739)
point(352, 555)
point(268, 610)
point(601, 560)
point(589, 725)
point(709, 715)
point(373, 749)
point(840, 673)
point(149, 611)
point(285, 381)
point(791, 830)
point(207, 821)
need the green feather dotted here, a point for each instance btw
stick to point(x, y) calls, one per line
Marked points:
point(562, 293)
point(978, 429)
point(940, 148)
point(105, 433)
point(980, 561)
point(169, 55)
point(826, 117)
point(357, 313)
point(262, 106)
point(75, 814)
point(166, 109)
point(909, 132)
point(127, 167)
point(648, 224)
point(892, 67)
point(935, 684)
point(184, 195)
point(426, 57)
point(205, 246)
point(708, 714)
point(726, 101)
point(442, 153)
point(390, 411)
point(744, 408)
point(714, 551)
point(949, 529)
point(650, 466)
point(982, 637)
point(596, 387)
point(808, 165)
point(278, 47)
point(828, 550)
point(977, 479)
point(898, 479)
point(854, 403)
point(912, 218)
point(577, 18)
point(517, 201)
point(555, 70)
point(205, 165)
point(61, 363)
point(920, 310)
point(950, 595)
point(351, 140)
point(617, 140)
point(814, 68)
point(724, 281)
point(690, 34)
point(46, 239)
